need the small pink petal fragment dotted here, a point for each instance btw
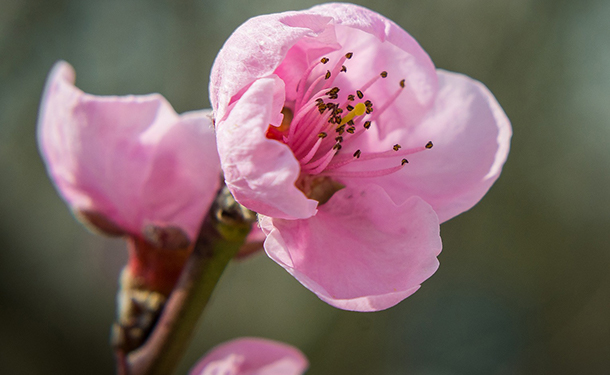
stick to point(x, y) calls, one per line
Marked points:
point(252, 356)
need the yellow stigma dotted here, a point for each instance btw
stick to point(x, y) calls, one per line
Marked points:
point(358, 110)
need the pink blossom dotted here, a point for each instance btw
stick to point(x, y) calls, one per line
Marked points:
point(129, 165)
point(252, 356)
point(334, 125)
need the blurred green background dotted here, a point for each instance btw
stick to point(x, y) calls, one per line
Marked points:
point(523, 287)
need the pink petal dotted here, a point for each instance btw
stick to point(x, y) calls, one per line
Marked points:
point(252, 356)
point(471, 136)
point(131, 159)
point(261, 172)
point(361, 251)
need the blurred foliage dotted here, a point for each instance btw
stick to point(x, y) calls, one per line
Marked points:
point(524, 285)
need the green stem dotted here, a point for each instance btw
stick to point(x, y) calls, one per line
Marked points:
point(223, 232)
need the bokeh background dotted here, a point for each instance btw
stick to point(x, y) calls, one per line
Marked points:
point(524, 284)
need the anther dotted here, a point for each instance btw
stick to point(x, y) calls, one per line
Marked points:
point(350, 123)
point(369, 110)
point(357, 154)
point(404, 161)
point(343, 69)
point(429, 145)
point(351, 97)
point(383, 74)
point(396, 147)
point(402, 83)
point(333, 91)
point(349, 55)
point(339, 139)
point(324, 60)
point(327, 76)
point(349, 107)
point(367, 124)
point(322, 135)
point(368, 103)
point(360, 94)
point(337, 146)
point(351, 130)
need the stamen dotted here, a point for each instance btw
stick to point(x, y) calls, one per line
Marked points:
point(319, 165)
point(377, 173)
point(303, 80)
point(310, 91)
point(311, 152)
point(388, 103)
point(316, 116)
point(341, 160)
point(301, 113)
point(336, 69)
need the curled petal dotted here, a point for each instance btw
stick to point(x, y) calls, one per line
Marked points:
point(261, 172)
point(130, 159)
point(252, 356)
point(361, 251)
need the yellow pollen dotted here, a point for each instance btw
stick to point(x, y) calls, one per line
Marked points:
point(358, 110)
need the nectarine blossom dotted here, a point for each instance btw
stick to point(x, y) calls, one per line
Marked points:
point(252, 356)
point(334, 125)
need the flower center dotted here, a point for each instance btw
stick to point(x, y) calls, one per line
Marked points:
point(319, 124)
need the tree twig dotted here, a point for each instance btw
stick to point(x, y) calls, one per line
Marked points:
point(222, 233)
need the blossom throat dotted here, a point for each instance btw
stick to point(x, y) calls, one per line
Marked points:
point(320, 124)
